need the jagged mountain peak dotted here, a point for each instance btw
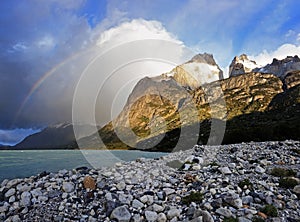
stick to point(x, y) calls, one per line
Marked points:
point(203, 58)
point(282, 68)
point(241, 64)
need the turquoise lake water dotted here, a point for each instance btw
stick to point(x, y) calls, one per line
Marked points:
point(19, 164)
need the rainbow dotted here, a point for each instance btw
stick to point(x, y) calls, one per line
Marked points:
point(44, 77)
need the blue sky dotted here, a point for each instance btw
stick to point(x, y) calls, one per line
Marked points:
point(36, 36)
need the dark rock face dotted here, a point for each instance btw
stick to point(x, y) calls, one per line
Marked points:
point(282, 68)
point(50, 138)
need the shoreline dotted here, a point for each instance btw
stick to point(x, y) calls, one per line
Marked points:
point(205, 183)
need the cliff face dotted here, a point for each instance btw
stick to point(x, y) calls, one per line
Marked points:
point(201, 69)
point(158, 107)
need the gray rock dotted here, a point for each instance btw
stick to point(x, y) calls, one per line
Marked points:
point(297, 189)
point(136, 218)
point(15, 218)
point(25, 199)
point(225, 170)
point(23, 187)
point(12, 199)
point(247, 200)
point(10, 192)
point(125, 198)
point(173, 213)
point(150, 215)
point(161, 217)
point(147, 199)
point(68, 187)
point(121, 185)
point(3, 209)
point(168, 191)
point(36, 192)
point(259, 169)
point(224, 212)
point(243, 219)
point(157, 208)
point(121, 214)
point(234, 201)
point(12, 183)
point(137, 204)
point(206, 216)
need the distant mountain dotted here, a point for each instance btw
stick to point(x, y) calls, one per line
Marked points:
point(280, 68)
point(59, 136)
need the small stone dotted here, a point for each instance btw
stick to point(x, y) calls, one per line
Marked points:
point(61, 207)
point(89, 183)
point(168, 191)
point(23, 187)
point(297, 189)
point(161, 195)
point(150, 215)
point(147, 199)
point(36, 192)
point(206, 216)
point(25, 199)
point(125, 198)
point(259, 169)
point(15, 218)
point(243, 219)
point(121, 185)
point(3, 209)
point(42, 198)
point(12, 199)
point(196, 167)
point(10, 192)
point(137, 204)
point(247, 200)
point(157, 208)
point(136, 218)
point(12, 183)
point(161, 217)
point(173, 213)
point(121, 214)
point(225, 170)
point(68, 187)
point(224, 212)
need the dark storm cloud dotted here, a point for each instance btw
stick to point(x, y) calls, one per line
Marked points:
point(35, 36)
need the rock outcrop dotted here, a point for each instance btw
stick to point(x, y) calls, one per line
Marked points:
point(201, 69)
point(282, 68)
point(240, 65)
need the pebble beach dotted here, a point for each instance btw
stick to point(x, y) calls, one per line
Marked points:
point(256, 181)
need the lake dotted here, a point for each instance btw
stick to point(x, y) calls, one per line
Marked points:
point(19, 163)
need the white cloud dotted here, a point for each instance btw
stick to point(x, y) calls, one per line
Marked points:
point(136, 29)
point(282, 52)
point(298, 37)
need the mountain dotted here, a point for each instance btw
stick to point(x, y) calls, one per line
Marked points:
point(164, 108)
point(240, 65)
point(59, 136)
point(194, 101)
point(280, 68)
point(202, 68)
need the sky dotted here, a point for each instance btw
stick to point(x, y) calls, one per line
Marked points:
point(48, 48)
